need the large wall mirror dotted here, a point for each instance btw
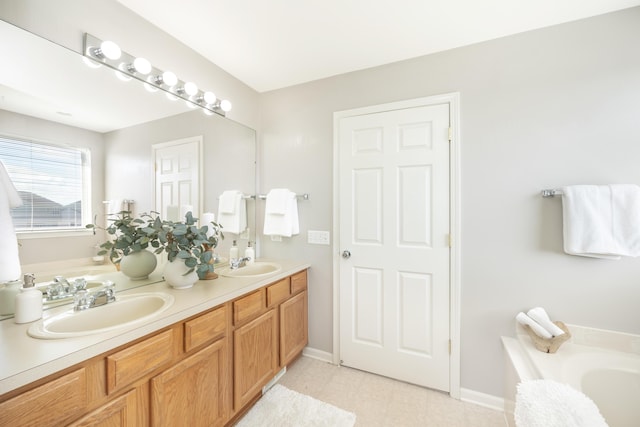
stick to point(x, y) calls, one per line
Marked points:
point(49, 85)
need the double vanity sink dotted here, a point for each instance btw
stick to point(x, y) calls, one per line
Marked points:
point(64, 337)
point(127, 310)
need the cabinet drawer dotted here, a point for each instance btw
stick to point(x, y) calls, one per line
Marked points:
point(248, 307)
point(52, 404)
point(278, 292)
point(205, 328)
point(299, 282)
point(133, 363)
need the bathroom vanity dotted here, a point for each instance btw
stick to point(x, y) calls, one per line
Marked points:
point(203, 361)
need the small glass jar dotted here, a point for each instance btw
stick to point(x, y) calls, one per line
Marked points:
point(8, 292)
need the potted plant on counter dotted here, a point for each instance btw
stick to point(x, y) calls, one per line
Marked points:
point(189, 249)
point(129, 243)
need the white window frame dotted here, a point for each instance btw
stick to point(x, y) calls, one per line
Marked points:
point(86, 194)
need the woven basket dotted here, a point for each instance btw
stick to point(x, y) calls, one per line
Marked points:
point(549, 345)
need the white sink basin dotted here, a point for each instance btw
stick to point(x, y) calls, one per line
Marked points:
point(255, 269)
point(127, 310)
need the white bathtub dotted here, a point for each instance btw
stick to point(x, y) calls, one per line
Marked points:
point(604, 365)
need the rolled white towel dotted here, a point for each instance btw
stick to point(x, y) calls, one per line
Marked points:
point(542, 318)
point(523, 319)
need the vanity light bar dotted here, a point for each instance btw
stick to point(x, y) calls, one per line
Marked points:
point(98, 52)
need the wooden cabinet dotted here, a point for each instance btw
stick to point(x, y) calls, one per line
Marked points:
point(202, 371)
point(52, 404)
point(194, 392)
point(293, 327)
point(255, 357)
point(120, 412)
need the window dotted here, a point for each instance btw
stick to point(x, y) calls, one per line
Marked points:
point(53, 182)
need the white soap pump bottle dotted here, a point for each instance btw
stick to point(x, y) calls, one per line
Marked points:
point(249, 253)
point(28, 301)
point(233, 252)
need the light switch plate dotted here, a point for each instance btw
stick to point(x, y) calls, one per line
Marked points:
point(318, 237)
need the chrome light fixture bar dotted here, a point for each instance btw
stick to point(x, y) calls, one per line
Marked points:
point(98, 52)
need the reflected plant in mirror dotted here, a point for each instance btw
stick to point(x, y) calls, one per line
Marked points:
point(129, 234)
point(130, 239)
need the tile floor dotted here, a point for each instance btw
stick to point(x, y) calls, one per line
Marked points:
point(378, 401)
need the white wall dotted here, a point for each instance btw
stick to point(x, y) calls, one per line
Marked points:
point(542, 109)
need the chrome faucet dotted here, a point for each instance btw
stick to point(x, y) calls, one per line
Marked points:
point(84, 299)
point(235, 263)
point(61, 288)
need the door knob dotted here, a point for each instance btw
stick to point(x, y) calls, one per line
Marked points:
point(346, 254)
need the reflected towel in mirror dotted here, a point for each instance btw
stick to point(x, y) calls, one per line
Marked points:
point(10, 259)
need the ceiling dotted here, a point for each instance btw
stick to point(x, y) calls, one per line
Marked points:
point(278, 43)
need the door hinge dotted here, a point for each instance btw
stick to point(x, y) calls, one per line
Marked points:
point(449, 346)
point(450, 240)
point(450, 134)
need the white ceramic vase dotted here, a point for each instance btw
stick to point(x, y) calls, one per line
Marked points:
point(138, 265)
point(174, 275)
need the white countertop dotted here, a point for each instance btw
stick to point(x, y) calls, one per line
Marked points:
point(24, 359)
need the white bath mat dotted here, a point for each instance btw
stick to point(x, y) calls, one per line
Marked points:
point(281, 407)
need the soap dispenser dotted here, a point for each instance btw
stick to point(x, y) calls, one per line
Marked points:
point(249, 253)
point(233, 252)
point(28, 301)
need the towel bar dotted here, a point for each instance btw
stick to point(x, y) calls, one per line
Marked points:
point(304, 196)
point(551, 193)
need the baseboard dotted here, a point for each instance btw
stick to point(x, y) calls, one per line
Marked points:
point(482, 399)
point(314, 353)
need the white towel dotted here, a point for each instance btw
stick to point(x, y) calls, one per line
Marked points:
point(10, 258)
point(233, 219)
point(286, 224)
point(601, 221)
point(277, 201)
point(547, 403)
point(229, 201)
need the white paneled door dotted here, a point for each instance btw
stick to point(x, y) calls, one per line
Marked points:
point(177, 177)
point(394, 238)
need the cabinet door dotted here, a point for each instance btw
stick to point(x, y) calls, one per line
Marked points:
point(51, 404)
point(121, 412)
point(293, 327)
point(255, 357)
point(194, 392)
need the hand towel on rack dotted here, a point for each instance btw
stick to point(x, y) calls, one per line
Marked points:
point(9, 198)
point(601, 221)
point(229, 201)
point(286, 224)
point(232, 212)
point(277, 201)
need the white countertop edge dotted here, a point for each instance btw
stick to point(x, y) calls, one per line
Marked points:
point(213, 292)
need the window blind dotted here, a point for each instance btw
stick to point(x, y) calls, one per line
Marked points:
point(51, 182)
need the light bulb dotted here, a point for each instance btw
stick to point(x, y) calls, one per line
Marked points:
point(149, 87)
point(169, 79)
point(122, 76)
point(190, 88)
point(141, 66)
point(110, 50)
point(209, 98)
point(207, 112)
point(90, 62)
point(225, 105)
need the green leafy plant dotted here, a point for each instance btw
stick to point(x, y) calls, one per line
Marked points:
point(190, 242)
point(182, 240)
point(129, 234)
